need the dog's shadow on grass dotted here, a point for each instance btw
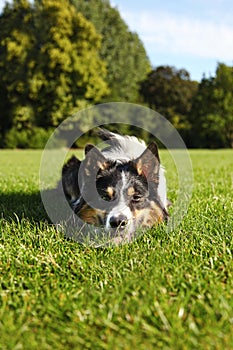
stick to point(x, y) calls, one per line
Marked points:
point(16, 206)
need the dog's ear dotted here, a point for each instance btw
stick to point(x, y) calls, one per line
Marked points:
point(70, 178)
point(148, 163)
point(72, 164)
point(88, 148)
point(94, 160)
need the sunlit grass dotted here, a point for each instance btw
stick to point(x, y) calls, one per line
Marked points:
point(163, 291)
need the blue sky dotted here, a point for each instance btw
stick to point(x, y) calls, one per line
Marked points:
point(190, 34)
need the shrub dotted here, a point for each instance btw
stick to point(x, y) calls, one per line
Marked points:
point(27, 138)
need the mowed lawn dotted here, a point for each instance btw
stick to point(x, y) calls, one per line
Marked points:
point(163, 291)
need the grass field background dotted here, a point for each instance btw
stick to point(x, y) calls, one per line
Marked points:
point(163, 291)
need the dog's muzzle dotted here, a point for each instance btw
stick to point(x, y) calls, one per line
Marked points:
point(118, 221)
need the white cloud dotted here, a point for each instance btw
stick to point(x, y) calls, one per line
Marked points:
point(178, 34)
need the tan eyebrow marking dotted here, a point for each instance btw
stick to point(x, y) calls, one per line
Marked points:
point(110, 191)
point(131, 191)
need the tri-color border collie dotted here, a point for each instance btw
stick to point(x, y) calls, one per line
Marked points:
point(121, 187)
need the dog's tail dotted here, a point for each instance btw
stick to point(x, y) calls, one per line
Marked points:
point(121, 147)
point(107, 135)
point(117, 139)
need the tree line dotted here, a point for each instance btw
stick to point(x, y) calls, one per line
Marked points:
point(58, 57)
point(201, 112)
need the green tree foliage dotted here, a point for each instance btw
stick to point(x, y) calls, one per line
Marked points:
point(170, 92)
point(124, 54)
point(49, 64)
point(212, 110)
point(14, 47)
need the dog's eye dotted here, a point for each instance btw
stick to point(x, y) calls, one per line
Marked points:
point(136, 198)
point(108, 195)
point(105, 197)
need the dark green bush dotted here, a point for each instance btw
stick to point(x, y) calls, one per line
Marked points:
point(27, 138)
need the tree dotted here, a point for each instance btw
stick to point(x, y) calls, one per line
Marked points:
point(14, 48)
point(49, 63)
point(170, 91)
point(126, 59)
point(212, 111)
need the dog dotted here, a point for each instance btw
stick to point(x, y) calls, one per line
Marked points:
point(121, 187)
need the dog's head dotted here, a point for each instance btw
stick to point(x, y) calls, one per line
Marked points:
point(120, 195)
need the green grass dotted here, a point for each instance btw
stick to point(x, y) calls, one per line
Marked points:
point(164, 291)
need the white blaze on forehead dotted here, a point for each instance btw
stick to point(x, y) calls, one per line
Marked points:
point(121, 208)
point(124, 182)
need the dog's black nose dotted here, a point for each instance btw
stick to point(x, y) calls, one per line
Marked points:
point(118, 221)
